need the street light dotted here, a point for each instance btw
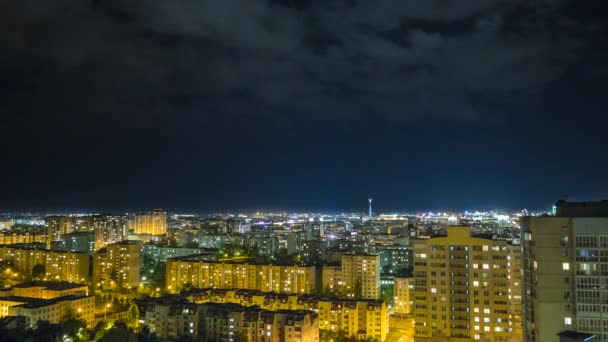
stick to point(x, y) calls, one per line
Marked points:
point(105, 310)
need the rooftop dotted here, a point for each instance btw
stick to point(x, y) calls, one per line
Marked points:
point(50, 285)
point(582, 209)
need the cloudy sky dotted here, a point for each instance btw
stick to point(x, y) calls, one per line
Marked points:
point(207, 105)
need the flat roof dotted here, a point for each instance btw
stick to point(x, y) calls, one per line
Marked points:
point(50, 285)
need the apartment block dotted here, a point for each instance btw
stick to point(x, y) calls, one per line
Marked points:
point(58, 266)
point(153, 223)
point(358, 276)
point(50, 301)
point(118, 265)
point(403, 299)
point(363, 318)
point(565, 271)
point(461, 288)
point(226, 275)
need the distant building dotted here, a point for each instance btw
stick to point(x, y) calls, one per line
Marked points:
point(56, 226)
point(403, 295)
point(76, 242)
point(154, 222)
point(109, 229)
point(161, 253)
point(226, 275)
point(56, 265)
point(565, 285)
point(6, 224)
point(14, 237)
point(118, 265)
point(461, 288)
point(360, 276)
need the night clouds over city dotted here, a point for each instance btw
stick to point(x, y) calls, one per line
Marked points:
point(247, 104)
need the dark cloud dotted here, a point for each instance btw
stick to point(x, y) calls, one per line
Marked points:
point(308, 59)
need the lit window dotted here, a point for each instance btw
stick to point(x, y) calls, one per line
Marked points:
point(486, 328)
point(476, 310)
point(485, 248)
point(486, 311)
point(475, 283)
point(433, 290)
point(566, 266)
point(568, 320)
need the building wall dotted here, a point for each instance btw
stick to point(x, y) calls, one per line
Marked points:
point(357, 277)
point(362, 318)
point(109, 229)
point(204, 274)
point(154, 223)
point(121, 260)
point(403, 299)
point(462, 287)
point(565, 274)
point(59, 266)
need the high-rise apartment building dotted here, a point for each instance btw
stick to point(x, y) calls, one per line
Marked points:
point(109, 229)
point(56, 226)
point(226, 275)
point(118, 265)
point(357, 277)
point(461, 288)
point(403, 299)
point(565, 271)
point(153, 223)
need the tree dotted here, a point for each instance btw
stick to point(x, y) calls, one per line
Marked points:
point(119, 333)
point(133, 317)
point(38, 272)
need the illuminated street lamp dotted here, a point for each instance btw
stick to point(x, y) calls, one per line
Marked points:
point(105, 310)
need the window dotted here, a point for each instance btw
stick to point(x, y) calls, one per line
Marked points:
point(568, 320)
point(566, 266)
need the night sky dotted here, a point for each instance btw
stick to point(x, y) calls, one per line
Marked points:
point(204, 105)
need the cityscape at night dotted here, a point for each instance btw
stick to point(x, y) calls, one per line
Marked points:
point(303, 170)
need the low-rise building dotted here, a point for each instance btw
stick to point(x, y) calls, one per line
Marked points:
point(49, 301)
point(360, 318)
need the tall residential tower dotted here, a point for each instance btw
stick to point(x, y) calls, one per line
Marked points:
point(565, 271)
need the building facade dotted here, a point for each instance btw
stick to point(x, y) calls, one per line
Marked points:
point(118, 265)
point(403, 299)
point(565, 270)
point(359, 318)
point(357, 277)
point(226, 275)
point(109, 229)
point(153, 223)
point(57, 265)
point(461, 288)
